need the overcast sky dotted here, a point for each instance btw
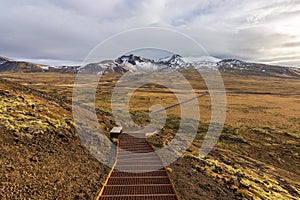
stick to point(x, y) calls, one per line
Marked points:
point(65, 31)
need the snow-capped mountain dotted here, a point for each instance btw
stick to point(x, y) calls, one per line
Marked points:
point(4, 59)
point(175, 62)
point(133, 63)
point(203, 62)
point(64, 69)
point(195, 59)
point(103, 67)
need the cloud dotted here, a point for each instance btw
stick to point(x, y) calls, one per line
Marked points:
point(292, 44)
point(258, 30)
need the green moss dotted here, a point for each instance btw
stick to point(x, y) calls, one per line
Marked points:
point(19, 114)
point(251, 184)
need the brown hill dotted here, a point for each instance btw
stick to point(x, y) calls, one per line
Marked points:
point(8, 65)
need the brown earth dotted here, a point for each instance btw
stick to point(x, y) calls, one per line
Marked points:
point(191, 182)
point(41, 157)
point(257, 156)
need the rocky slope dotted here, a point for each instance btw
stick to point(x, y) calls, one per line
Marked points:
point(41, 156)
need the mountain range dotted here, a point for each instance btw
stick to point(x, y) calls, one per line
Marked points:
point(134, 63)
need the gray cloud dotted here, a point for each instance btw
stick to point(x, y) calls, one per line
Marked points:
point(291, 44)
point(65, 31)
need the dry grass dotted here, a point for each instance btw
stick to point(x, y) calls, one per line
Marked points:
point(259, 152)
point(278, 110)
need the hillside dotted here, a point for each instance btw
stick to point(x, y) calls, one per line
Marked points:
point(8, 65)
point(41, 156)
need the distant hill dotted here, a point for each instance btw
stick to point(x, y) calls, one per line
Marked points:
point(134, 63)
point(8, 65)
point(248, 68)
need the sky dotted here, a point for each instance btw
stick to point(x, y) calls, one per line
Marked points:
point(60, 32)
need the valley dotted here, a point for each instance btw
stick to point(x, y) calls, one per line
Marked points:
point(257, 156)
